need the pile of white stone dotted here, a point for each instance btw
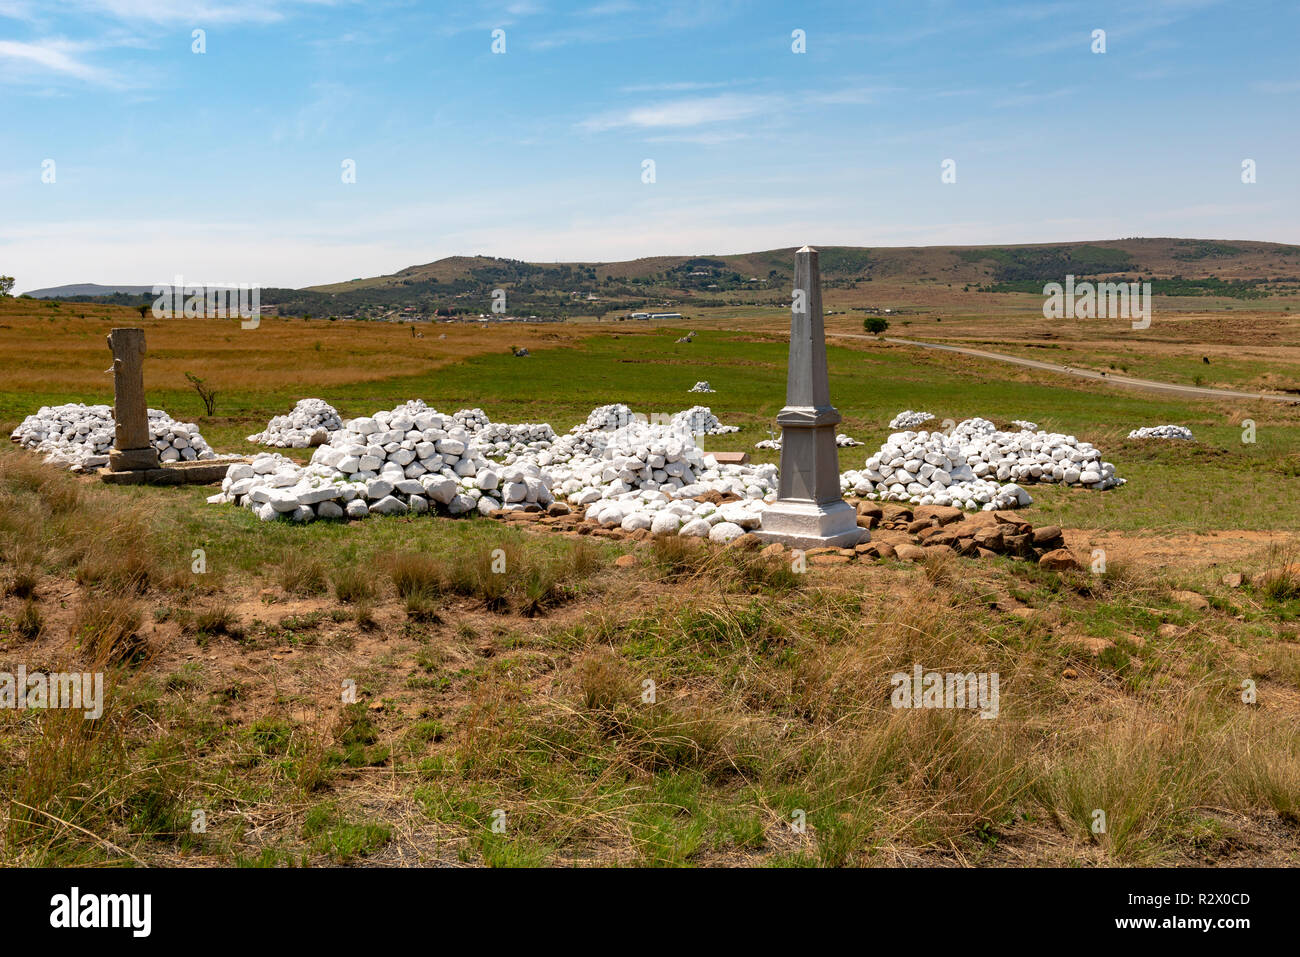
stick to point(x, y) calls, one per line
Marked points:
point(1024, 425)
point(908, 419)
point(702, 387)
point(498, 439)
point(591, 465)
point(700, 420)
point(1163, 432)
point(976, 466)
point(609, 417)
point(310, 423)
point(647, 475)
point(663, 516)
point(78, 436)
point(413, 459)
point(471, 420)
point(409, 459)
point(773, 444)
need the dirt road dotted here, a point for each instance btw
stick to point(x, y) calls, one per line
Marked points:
point(1121, 380)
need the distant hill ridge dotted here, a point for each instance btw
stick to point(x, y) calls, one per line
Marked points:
point(85, 289)
point(1164, 258)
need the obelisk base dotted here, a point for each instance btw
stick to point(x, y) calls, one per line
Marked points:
point(809, 525)
point(133, 460)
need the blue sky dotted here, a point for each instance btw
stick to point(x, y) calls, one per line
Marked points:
point(226, 165)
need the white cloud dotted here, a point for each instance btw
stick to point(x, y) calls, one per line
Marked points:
point(191, 11)
point(695, 111)
point(56, 55)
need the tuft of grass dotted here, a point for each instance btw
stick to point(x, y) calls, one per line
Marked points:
point(416, 574)
point(216, 621)
point(30, 622)
point(22, 583)
point(351, 584)
point(301, 573)
point(107, 630)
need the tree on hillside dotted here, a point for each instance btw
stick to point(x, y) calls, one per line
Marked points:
point(875, 325)
point(6, 285)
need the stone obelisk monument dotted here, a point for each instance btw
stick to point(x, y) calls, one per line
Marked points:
point(132, 451)
point(809, 511)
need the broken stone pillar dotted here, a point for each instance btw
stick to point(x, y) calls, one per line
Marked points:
point(132, 451)
point(809, 511)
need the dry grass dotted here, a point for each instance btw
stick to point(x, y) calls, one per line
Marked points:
point(301, 572)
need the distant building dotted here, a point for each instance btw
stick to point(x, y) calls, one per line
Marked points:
point(665, 315)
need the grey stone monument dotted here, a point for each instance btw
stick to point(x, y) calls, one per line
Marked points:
point(809, 511)
point(132, 450)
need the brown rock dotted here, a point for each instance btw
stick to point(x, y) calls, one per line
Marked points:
point(871, 508)
point(772, 550)
point(989, 537)
point(625, 561)
point(884, 550)
point(749, 542)
point(1069, 673)
point(829, 560)
point(1049, 537)
point(1007, 518)
point(943, 514)
point(985, 553)
point(1192, 598)
point(940, 536)
point(910, 553)
point(1059, 560)
point(1167, 631)
point(939, 550)
point(558, 508)
point(1021, 545)
point(1092, 644)
point(897, 513)
point(1234, 579)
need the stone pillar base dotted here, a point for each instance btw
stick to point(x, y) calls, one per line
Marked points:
point(809, 525)
point(133, 460)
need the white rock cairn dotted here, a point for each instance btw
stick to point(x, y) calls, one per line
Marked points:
point(908, 419)
point(977, 466)
point(310, 423)
point(1163, 432)
point(78, 436)
point(700, 420)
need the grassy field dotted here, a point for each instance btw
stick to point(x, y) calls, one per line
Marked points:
point(1217, 482)
point(519, 699)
